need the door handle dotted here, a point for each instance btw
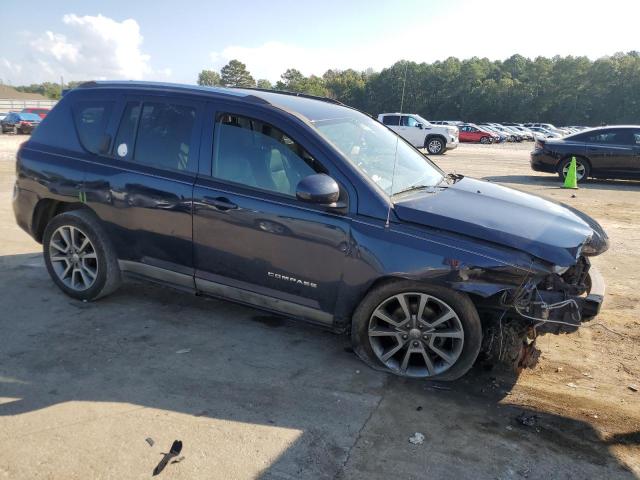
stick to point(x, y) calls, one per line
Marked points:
point(220, 203)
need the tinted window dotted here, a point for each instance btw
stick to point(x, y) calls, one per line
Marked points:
point(164, 136)
point(256, 154)
point(391, 120)
point(91, 119)
point(123, 146)
point(612, 137)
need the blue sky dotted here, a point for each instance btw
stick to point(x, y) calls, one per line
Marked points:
point(175, 40)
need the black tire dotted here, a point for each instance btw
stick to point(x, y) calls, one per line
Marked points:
point(460, 303)
point(582, 165)
point(108, 277)
point(435, 145)
point(485, 140)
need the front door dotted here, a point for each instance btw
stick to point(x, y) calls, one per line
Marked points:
point(254, 241)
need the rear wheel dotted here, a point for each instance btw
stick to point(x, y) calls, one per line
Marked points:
point(435, 146)
point(416, 330)
point(582, 169)
point(79, 256)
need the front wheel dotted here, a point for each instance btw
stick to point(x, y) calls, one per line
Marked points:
point(79, 256)
point(484, 140)
point(435, 146)
point(417, 330)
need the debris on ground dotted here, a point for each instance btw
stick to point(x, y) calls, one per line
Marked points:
point(633, 388)
point(176, 448)
point(572, 385)
point(418, 408)
point(559, 369)
point(434, 386)
point(417, 438)
point(150, 441)
point(527, 420)
point(184, 350)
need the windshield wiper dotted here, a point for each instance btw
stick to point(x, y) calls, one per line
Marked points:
point(412, 188)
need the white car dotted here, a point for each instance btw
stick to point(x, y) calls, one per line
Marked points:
point(421, 133)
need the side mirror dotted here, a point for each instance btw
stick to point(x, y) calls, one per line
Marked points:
point(320, 189)
point(419, 125)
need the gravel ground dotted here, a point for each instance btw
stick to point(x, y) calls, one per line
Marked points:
point(255, 396)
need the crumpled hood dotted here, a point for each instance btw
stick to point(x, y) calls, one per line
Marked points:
point(502, 215)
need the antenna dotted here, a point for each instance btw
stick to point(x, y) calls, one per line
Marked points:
point(395, 155)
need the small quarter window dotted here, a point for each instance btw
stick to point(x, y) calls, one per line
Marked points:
point(91, 119)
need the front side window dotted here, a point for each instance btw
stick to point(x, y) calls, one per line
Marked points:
point(374, 149)
point(256, 154)
point(91, 119)
point(411, 122)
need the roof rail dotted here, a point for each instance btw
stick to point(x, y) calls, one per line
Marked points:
point(294, 94)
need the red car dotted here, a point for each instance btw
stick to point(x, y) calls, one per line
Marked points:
point(41, 112)
point(473, 133)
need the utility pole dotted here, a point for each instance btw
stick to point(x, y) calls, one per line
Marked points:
point(61, 85)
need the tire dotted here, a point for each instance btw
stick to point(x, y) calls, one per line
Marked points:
point(97, 262)
point(435, 145)
point(15, 130)
point(385, 347)
point(485, 140)
point(583, 169)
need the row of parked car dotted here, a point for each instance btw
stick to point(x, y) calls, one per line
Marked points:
point(491, 132)
point(24, 121)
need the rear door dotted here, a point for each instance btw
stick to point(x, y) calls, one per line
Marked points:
point(142, 186)
point(254, 241)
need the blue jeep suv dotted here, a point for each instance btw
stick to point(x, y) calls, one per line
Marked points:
point(304, 207)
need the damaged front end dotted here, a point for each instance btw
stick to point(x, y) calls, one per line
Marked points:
point(557, 302)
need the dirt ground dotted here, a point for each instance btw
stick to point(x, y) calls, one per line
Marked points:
point(83, 385)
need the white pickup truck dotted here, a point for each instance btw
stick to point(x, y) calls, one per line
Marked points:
point(420, 133)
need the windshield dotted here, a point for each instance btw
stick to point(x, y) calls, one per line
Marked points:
point(372, 148)
point(424, 121)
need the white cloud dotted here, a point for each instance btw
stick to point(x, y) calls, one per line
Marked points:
point(496, 30)
point(92, 47)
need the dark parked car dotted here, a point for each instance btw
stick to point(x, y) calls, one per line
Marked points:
point(19, 122)
point(290, 204)
point(607, 152)
point(41, 112)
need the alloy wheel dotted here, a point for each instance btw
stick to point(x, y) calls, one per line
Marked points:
point(73, 258)
point(434, 146)
point(416, 334)
point(580, 170)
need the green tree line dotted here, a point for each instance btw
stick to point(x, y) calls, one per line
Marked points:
point(562, 90)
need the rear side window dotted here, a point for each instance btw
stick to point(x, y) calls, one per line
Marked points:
point(91, 119)
point(157, 134)
point(391, 120)
point(164, 136)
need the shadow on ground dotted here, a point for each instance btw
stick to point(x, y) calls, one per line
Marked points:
point(246, 377)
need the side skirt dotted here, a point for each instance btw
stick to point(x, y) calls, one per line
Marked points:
point(226, 292)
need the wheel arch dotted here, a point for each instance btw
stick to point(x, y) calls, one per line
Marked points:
point(46, 209)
